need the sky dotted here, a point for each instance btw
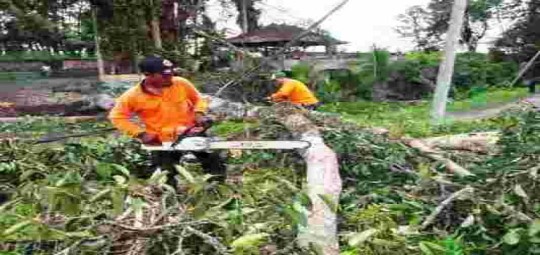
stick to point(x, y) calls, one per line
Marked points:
point(362, 23)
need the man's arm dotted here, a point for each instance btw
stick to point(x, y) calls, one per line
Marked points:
point(120, 117)
point(284, 92)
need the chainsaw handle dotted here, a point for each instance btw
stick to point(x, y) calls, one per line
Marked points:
point(207, 125)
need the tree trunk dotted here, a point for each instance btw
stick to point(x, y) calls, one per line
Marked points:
point(156, 33)
point(323, 181)
point(244, 13)
point(476, 142)
point(100, 64)
point(446, 70)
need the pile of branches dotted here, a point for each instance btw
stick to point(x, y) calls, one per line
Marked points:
point(397, 198)
point(400, 199)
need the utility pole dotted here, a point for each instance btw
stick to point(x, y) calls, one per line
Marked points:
point(244, 16)
point(446, 70)
point(100, 65)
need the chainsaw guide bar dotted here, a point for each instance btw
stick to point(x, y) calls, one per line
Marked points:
point(203, 143)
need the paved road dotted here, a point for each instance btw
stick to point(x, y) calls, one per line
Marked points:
point(493, 111)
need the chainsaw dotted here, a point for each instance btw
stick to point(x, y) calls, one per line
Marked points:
point(196, 141)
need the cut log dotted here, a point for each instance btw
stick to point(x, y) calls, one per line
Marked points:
point(323, 180)
point(475, 142)
point(433, 154)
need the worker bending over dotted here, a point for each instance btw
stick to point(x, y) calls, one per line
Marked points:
point(167, 106)
point(293, 91)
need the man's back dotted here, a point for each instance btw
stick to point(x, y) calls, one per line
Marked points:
point(296, 92)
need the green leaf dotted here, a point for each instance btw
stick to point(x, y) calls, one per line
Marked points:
point(117, 197)
point(17, 227)
point(469, 221)
point(520, 192)
point(512, 237)
point(429, 248)
point(247, 241)
point(361, 237)
point(104, 170)
point(122, 169)
point(328, 200)
point(100, 195)
point(386, 243)
point(534, 229)
point(120, 180)
point(425, 249)
point(186, 174)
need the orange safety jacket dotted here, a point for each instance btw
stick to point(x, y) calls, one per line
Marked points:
point(295, 92)
point(161, 114)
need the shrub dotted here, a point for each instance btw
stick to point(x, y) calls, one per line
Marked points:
point(300, 72)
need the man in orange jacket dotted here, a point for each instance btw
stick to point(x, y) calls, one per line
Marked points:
point(293, 91)
point(167, 106)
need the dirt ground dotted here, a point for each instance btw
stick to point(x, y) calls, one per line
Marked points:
point(36, 97)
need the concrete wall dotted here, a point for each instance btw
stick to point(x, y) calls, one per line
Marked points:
point(35, 66)
point(318, 62)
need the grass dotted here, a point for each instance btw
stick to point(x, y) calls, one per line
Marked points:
point(411, 120)
point(489, 98)
point(228, 128)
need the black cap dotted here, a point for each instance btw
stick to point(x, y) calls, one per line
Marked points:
point(153, 64)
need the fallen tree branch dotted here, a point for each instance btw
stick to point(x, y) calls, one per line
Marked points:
point(148, 229)
point(428, 152)
point(292, 42)
point(219, 247)
point(475, 142)
point(431, 218)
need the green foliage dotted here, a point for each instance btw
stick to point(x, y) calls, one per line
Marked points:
point(377, 236)
point(428, 26)
point(412, 120)
point(371, 68)
point(329, 90)
point(35, 128)
point(227, 128)
point(475, 70)
point(301, 72)
point(45, 56)
point(483, 98)
point(389, 190)
point(428, 59)
point(471, 69)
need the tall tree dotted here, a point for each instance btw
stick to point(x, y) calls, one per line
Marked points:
point(414, 25)
point(523, 38)
point(478, 13)
point(247, 13)
point(446, 70)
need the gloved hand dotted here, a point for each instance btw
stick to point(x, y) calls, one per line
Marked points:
point(149, 138)
point(203, 120)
